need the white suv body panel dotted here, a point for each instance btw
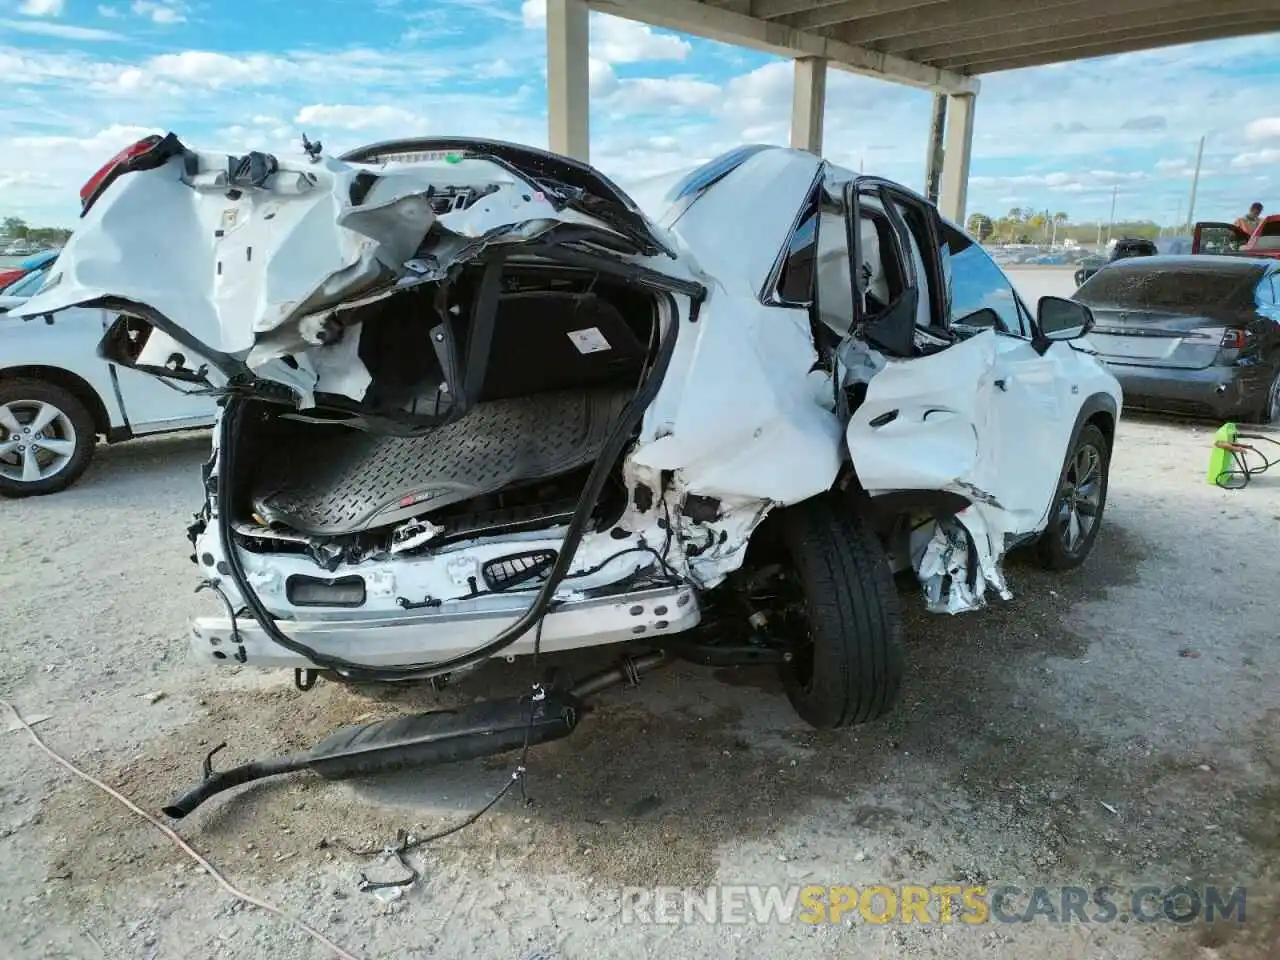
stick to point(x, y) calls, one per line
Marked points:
point(741, 416)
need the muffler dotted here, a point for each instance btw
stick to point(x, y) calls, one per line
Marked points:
point(425, 739)
point(420, 739)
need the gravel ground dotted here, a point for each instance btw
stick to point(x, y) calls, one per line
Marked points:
point(1115, 724)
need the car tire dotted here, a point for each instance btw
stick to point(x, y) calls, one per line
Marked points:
point(1067, 541)
point(849, 667)
point(1269, 412)
point(73, 429)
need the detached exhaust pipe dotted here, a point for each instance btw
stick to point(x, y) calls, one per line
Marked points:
point(426, 739)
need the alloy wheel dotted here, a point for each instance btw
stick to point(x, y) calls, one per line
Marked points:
point(1080, 499)
point(37, 440)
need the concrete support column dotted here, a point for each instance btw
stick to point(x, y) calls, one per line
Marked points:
point(933, 159)
point(808, 104)
point(955, 158)
point(568, 79)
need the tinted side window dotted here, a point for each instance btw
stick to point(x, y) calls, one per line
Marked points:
point(882, 275)
point(918, 237)
point(832, 270)
point(977, 284)
point(795, 282)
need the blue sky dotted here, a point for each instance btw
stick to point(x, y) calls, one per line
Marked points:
point(82, 78)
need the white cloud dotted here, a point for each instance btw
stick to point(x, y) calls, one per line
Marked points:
point(1257, 158)
point(1264, 128)
point(159, 11)
point(359, 117)
point(62, 31)
point(42, 8)
point(614, 39)
point(601, 80)
point(663, 94)
point(213, 70)
point(111, 13)
point(627, 41)
point(1063, 181)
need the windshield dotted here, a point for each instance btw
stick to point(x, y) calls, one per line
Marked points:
point(1268, 236)
point(1177, 288)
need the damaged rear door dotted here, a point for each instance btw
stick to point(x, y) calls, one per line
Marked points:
point(965, 403)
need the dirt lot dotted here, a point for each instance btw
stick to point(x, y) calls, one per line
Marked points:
point(1119, 724)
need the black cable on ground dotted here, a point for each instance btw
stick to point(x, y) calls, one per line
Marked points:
point(1239, 478)
point(404, 842)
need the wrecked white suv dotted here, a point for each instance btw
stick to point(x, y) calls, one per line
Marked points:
point(475, 402)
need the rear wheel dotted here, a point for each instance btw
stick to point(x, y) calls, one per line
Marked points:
point(47, 438)
point(841, 619)
point(1077, 508)
point(1270, 412)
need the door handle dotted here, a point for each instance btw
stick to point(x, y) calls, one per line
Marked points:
point(1002, 385)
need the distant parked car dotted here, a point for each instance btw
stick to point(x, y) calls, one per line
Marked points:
point(11, 275)
point(1123, 250)
point(1228, 239)
point(1194, 334)
point(57, 396)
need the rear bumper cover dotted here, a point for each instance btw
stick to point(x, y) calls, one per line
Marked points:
point(451, 630)
point(1217, 391)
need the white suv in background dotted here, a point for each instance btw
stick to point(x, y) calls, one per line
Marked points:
point(57, 395)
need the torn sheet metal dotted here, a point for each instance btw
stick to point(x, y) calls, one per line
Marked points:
point(254, 272)
point(956, 565)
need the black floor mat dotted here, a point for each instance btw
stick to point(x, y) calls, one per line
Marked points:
point(334, 484)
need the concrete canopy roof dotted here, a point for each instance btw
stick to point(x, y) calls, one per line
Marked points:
point(943, 44)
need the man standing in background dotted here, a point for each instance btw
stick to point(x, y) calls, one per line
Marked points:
point(1249, 222)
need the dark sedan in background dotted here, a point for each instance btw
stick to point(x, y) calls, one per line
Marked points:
point(1195, 335)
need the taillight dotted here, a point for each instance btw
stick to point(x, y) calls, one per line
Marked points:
point(146, 154)
point(1235, 339)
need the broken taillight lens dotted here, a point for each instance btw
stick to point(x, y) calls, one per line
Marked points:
point(112, 168)
point(147, 154)
point(1235, 339)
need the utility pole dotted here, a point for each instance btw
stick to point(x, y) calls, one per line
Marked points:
point(1195, 182)
point(1111, 222)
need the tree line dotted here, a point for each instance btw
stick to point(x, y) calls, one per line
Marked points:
point(15, 228)
point(1021, 225)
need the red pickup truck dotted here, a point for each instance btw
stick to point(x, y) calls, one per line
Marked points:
point(1229, 239)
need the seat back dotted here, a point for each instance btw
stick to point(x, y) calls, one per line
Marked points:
point(547, 340)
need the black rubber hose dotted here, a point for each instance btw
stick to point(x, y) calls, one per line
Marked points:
point(226, 779)
point(537, 609)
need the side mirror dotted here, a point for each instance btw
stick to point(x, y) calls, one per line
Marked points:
point(1061, 319)
point(982, 318)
